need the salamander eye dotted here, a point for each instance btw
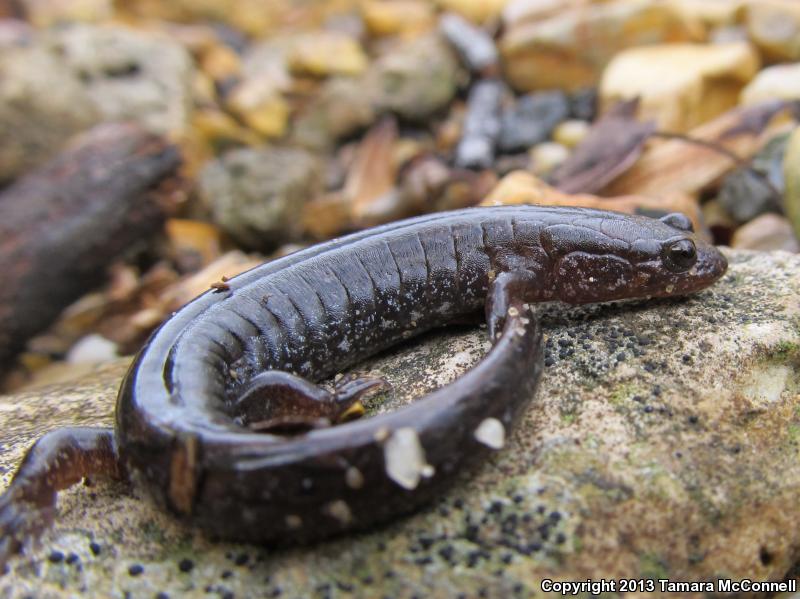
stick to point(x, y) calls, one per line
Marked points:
point(680, 255)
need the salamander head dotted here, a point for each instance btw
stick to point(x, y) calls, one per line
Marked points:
point(637, 257)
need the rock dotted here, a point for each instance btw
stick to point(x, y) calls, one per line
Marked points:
point(260, 104)
point(481, 125)
point(92, 349)
point(544, 52)
point(583, 104)
point(414, 80)
point(766, 233)
point(532, 119)
point(711, 13)
point(546, 157)
point(323, 53)
point(257, 195)
point(47, 13)
point(680, 85)
point(791, 173)
point(778, 82)
point(407, 17)
point(774, 26)
point(745, 194)
point(477, 11)
point(340, 109)
point(130, 74)
point(571, 133)
point(662, 444)
point(42, 102)
point(474, 45)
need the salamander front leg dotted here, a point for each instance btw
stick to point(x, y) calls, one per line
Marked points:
point(508, 288)
point(277, 401)
point(56, 461)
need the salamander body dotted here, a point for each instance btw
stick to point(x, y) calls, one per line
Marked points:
point(220, 416)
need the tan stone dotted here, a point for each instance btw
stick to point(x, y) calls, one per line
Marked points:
point(571, 132)
point(477, 11)
point(774, 26)
point(779, 82)
point(397, 17)
point(680, 85)
point(710, 13)
point(569, 49)
point(261, 106)
point(324, 53)
point(45, 13)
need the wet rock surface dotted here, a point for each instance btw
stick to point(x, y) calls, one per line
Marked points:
point(663, 443)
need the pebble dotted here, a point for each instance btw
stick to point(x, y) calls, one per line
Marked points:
point(473, 44)
point(774, 26)
point(548, 156)
point(680, 85)
point(791, 172)
point(131, 74)
point(477, 11)
point(539, 46)
point(43, 102)
point(257, 195)
point(325, 53)
point(532, 119)
point(570, 133)
point(766, 233)
point(416, 79)
point(745, 194)
point(476, 148)
point(92, 349)
point(583, 104)
point(407, 17)
point(778, 82)
point(259, 103)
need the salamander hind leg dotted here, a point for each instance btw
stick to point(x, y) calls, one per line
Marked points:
point(281, 402)
point(56, 461)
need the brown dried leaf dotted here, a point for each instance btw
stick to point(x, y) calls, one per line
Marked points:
point(373, 172)
point(611, 147)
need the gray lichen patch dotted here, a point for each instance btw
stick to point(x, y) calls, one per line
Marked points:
point(664, 441)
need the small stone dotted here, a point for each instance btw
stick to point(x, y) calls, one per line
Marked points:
point(791, 173)
point(48, 13)
point(92, 349)
point(745, 194)
point(778, 82)
point(131, 74)
point(257, 195)
point(532, 119)
point(680, 85)
point(339, 109)
point(571, 133)
point(481, 125)
point(404, 458)
point(774, 26)
point(43, 102)
point(259, 103)
point(325, 53)
point(539, 46)
point(477, 11)
point(397, 17)
point(548, 156)
point(583, 104)
point(414, 80)
point(475, 47)
point(766, 233)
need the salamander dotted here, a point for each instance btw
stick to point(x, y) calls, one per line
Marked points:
point(222, 419)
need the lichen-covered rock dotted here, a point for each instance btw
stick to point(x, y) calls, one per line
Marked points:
point(130, 74)
point(663, 443)
point(42, 104)
point(568, 49)
point(415, 79)
point(257, 195)
point(680, 85)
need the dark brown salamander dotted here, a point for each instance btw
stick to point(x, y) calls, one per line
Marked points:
point(203, 414)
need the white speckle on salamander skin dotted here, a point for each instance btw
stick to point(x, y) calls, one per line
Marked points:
point(354, 478)
point(405, 458)
point(340, 510)
point(294, 521)
point(491, 433)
